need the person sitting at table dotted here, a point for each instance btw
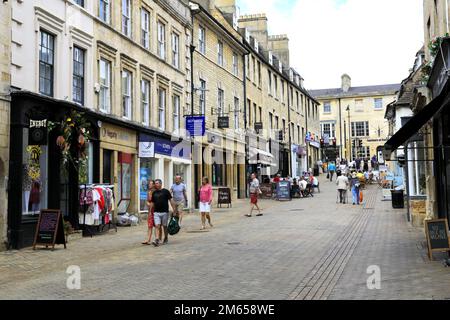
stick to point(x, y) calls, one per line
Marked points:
point(303, 185)
point(295, 189)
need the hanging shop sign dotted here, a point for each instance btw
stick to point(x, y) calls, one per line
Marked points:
point(258, 125)
point(195, 125)
point(50, 229)
point(223, 123)
point(314, 144)
point(37, 134)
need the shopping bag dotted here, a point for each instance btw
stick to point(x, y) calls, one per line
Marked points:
point(173, 227)
point(361, 196)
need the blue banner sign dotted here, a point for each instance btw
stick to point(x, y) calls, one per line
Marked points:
point(195, 125)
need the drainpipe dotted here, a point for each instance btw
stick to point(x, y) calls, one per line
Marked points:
point(244, 69)
point(340, 129)
point(446, 14)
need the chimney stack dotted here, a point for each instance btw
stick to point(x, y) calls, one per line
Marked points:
point(256, 24)
point(279, 45)
point(346, 82)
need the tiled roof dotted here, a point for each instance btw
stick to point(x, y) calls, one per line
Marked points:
point(356, 91)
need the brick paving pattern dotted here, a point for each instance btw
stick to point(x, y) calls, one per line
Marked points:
point(302, 249)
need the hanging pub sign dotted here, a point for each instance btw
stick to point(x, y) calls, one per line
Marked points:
point(258, 125)
point(223, 123)
point(37, 134)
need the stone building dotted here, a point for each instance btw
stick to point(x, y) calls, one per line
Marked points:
point(276, 99)
point(353, 118)
point(5, 84)
point(124, 65)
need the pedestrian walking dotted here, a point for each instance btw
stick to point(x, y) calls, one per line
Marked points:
point(206, 196)
point(160, 202)
point(342, 187)
point(355, 185)
point(150, 219)
point(254, 193)
point(179, 195)
point(366, 165)
point(332, 170)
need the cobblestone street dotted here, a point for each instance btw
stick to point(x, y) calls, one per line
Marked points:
point(305, 249)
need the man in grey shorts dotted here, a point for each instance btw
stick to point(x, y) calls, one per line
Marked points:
point(160, 202)
point(178, 190)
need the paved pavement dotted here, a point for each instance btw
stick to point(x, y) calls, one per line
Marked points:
point(305, 249)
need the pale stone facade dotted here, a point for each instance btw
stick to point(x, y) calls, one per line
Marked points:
point(5, 83)
point(366, 105)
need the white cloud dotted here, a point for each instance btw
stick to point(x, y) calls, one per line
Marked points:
point(374, 41)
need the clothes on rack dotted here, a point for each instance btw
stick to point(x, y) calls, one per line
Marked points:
point(98, 202)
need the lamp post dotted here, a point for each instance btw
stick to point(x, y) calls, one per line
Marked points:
point(349, 135)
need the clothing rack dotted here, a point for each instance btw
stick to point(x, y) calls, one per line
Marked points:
point(102, 227)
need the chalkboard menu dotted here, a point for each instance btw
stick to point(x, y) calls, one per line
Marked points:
point(50, 229)
point(266, 189)
point(224, 197)
point(284, 190)
point(437, 236)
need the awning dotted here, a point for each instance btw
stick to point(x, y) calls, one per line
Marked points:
point(258, 156)
point(415, 123)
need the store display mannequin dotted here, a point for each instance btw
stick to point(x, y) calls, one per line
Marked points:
point(26, 187)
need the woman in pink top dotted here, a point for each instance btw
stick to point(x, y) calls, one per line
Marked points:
point(206, 194)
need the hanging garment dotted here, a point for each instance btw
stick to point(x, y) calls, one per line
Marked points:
point(96, 197)
point(88, 194)
point(101, 201)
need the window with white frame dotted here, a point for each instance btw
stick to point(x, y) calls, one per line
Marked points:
point(220, 53)
point(236, 112)
point(126, 94)
point(176, 114)
point(235, 64)
point(145, 100)
point(360, 129)
point(201, 40)
point(46, 63)
point(202, 102)
point(162, 109)
point(175, 50)
point(298, 100)
point(145, 28)
point(282, 91)
point(80, 3)
point(378, 103)
point(161, 40)
point(360, 152)
point(126, 17)
point(269, 81)
point(105, 86)
point(105, 10)
point(220, 101)
point(327, 107)
point(254, 69)
point(275, 81)
point(78, 75)
point(328, 128)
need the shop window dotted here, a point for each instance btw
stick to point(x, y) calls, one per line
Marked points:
point(417, 169)
point(107, 166)
point(219, 174)
point(35, 176)
point(125, 163)
point(146, 173)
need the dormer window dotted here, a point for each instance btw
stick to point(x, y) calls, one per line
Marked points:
point(247, 35)
point(280, 66)
point(256, 46)
point(270, 58)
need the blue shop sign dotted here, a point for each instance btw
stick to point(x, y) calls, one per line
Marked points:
point(195, 125)
point(176, 149)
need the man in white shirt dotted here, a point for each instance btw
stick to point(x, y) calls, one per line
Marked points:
point(303, 184)
point(342, 186)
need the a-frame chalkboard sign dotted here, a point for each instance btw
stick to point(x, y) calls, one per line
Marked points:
point(437, 236)
point(50, 229)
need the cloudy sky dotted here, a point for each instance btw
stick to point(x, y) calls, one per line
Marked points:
point(374, 41)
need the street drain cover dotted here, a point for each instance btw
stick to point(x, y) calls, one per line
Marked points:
point(296, 210)
point(233, 243)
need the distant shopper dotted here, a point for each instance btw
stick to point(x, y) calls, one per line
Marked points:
point(277, 178)
point(355, 185)
point(179, 195)
point(254, 193)
point(206, 197)
point(160, 202)
point(331, 170)
point(342, 187)
point(151, 219)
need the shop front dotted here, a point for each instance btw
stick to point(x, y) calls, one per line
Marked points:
point(119, 163)
point(42, 166)
point(161, 158)
point(298, 158)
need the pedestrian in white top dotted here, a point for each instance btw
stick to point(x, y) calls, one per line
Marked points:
point(342, 186)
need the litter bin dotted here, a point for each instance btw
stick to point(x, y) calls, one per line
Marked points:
point(316, 171)
point(398, 200)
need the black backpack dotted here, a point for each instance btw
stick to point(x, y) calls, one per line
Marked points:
point(173, 227)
